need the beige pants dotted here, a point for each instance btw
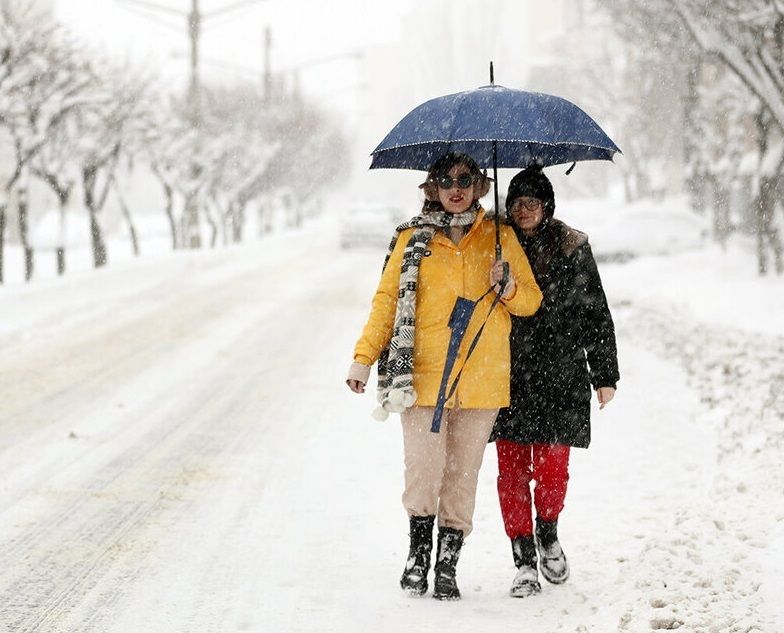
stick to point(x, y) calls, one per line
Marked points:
point(442, 468)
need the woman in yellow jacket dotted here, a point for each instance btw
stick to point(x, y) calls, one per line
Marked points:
point(444, 253)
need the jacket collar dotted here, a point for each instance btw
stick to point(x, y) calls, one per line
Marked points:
point(443, 239)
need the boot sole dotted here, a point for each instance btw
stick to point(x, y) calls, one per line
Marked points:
point(414, 593)
point(526, 591)
point(555, 580)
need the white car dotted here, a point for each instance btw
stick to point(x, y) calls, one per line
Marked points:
point(370, 225)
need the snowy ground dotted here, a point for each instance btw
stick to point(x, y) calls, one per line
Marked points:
point(179, 453)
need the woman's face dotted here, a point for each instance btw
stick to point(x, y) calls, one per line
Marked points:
point(454, 198)
point(527, 213)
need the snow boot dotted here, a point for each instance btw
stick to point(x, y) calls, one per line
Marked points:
point(450, 542)
point(552, 560)
point(414, 578)
point(526, 581)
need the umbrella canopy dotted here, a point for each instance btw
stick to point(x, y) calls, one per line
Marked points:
point(526, 127)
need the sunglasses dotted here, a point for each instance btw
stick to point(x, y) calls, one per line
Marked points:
point(464, 181)
point(532, 204)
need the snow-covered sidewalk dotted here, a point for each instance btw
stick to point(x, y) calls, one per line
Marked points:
point(179, 454)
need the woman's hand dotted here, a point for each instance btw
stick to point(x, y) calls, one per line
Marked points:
point(358, 375)
point(604, 395)
point(357, 386)
point(496, 274)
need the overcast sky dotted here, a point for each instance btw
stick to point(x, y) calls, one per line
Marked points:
point(310, 33)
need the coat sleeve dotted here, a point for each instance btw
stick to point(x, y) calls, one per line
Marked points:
point(527, 296)
point(378, 329)
point(598, 330)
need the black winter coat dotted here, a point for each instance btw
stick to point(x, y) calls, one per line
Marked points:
point(551, 380)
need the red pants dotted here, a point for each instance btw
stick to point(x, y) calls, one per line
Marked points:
point(518, 464)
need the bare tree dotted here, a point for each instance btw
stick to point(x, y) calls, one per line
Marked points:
point(54, 165)
point(137, 132)
point(734, 91)
point(166, 140)
point(238, 155)
point(748, 39)
point(110, 123)
point(42, 82)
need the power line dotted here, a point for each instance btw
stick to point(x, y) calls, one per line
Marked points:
point(356, 55)
point(229, 8)
point(153, 6)
point(144, 13)
point(227, 65)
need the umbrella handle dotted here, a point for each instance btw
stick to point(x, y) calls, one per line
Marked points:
point(504, 279)
point(505, 276)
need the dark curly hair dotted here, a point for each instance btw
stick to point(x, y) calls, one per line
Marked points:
point(441, 168)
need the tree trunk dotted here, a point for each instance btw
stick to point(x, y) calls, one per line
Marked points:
point(24, 237)
point(60, 260)
point(3, 207)
point(63, 192)
point(213, 226)
point(697, 187)
point(128, 218)
point(690, 139)
point(238, 221)
point(767, 233)
point(190, 225)
point(100, 256)
point(169, 210)
point(62, 233)
point(225, 219)
point(721, 213)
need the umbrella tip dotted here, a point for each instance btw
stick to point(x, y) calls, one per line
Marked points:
point(492, 77)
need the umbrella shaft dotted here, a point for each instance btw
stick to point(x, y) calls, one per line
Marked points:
point(497, 210)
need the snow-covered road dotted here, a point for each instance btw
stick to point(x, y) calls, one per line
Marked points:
point(179, 454)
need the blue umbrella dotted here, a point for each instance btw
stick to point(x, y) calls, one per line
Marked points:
point(497, 127)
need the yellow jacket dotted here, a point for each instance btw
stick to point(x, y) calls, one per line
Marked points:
point(450, 271)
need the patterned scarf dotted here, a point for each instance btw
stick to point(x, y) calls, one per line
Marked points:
point(396, 363)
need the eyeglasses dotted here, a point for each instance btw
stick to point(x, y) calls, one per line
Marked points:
point(464, 181)
point(532, 204)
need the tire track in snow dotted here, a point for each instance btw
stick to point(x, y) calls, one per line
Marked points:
point(89, 499)
point(47, 588)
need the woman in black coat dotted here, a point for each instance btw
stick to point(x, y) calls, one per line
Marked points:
point(558, 355)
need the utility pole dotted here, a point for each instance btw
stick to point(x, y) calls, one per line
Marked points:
point(267, 65)
point(194, 90)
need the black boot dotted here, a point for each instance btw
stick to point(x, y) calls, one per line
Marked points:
point(450, 541)
point(526, 581)
point(414, 578)
point(552, 560)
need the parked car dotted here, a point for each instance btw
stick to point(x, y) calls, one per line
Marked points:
point(370, 225)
